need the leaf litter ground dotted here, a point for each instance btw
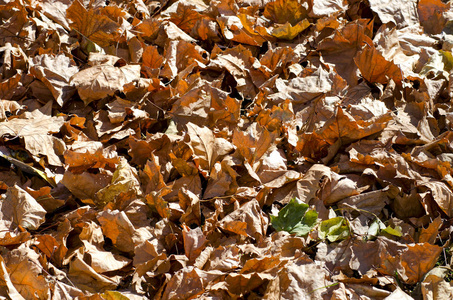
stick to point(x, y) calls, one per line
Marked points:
point(226, 149)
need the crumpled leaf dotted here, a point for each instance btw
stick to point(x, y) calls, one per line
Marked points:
point(431, 14)
point(55, 72)
point(36, 130)
point(440, 63)
point(85, 277)
point(401, 13)
point(375, 68)
point(19, 208)
point(206, 147)
point(124, 181)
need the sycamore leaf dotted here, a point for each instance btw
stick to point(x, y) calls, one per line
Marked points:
point(375, 68)
point(55, 72)
point(19, 208)
point(294, 218)
point(91, 24)
point(185, 17)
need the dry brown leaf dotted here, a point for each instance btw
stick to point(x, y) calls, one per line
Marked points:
point(441, 194)
point(185, 282)
point(206, 147)
point(44, 197)
point(117, 227)
point(237, 61)
point(101, 81)
point(327, 8)
point(299, 279)
point(181, 57)
point(431, 14)
point(86, 278)
point(18, 208)
point(25, 272)
point(9, 86)
point(36, 129)
point(152, 61)
point(55, 72)
point(102, 261)
point(186, 16)
point(401, 13)
point(85, 185)
point(434, 286)
point(429, 235)
point(6, 285)
point(341, 49)
point(9, 107)
point(190, 204)
point(375, 68)
point(14, 60)
point(82, 156)
point(194, 242)
point(124, 182)
point(91, 24)
point(246, 221)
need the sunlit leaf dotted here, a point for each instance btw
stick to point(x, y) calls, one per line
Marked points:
point(281, 11)
point(288, 31)
point(91, 24)
point(334, 229)
point(294, 218)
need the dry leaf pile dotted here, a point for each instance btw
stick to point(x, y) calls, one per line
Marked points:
point(226, 149)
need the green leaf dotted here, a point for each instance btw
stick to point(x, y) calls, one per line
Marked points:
point(378, 227)
point(334, 229)
point(397, 231)
point(294, 218)
point(375, 228)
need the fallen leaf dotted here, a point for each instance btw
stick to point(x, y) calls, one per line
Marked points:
point(91, 24)
point(101, 81)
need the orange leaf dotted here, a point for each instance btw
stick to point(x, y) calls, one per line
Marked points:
point(91, 24)
point(375, 68)
point(282, 11)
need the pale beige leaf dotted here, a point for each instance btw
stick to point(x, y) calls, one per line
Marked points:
point(101, 81)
